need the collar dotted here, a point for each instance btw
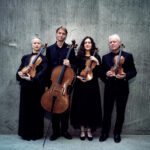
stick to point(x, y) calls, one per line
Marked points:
point(114, 54)
point(64, 45)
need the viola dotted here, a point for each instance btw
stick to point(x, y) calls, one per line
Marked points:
point(87, 72)
point(56, 98)
point(118, 61)
point(35, 60)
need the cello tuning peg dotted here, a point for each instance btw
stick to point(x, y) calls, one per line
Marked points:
point(73, 45)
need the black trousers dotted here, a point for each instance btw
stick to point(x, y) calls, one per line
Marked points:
point(60, 123)
point(111, 97)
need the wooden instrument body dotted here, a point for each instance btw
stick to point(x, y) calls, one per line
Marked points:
point(31, 68)
point(117, 68)
point(60, 90)
point(87, 73)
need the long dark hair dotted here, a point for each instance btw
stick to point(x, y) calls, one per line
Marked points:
point(81, 50)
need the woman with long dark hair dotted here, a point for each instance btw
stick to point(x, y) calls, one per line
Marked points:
point(86, 102)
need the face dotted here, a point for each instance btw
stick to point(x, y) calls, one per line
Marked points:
point(61, 35)
point(87, 44)
point(36, 44)
point(114, 44)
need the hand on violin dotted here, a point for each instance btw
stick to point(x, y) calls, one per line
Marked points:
point(66, 62)
point(23, 76)
point(46, 88)
point(20, 74)
point(81, 79)
point(94, 59)
point(121, 76)
point(109, 74)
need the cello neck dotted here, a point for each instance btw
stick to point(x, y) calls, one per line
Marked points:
point(61, 74)
point(63, 68)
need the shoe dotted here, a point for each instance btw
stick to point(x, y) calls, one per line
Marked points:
point(25, 138)
point(54, 137)
point(103, 137)
point(117, 138)
point(82, 136)
point(67, 135)
point(89, 136)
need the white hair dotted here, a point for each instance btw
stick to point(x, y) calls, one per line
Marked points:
point(116, 36)
point(34, 39)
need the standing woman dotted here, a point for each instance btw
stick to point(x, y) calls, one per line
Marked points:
point(31, 114)
point(86, 102)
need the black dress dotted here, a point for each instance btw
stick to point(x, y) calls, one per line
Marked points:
point(31, 114)
point(86, 101)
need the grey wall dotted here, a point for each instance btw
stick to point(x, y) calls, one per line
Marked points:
point(22, 20)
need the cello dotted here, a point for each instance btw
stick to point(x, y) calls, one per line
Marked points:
point(56, 98)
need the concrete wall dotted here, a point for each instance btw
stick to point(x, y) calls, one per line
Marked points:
point(22, 20)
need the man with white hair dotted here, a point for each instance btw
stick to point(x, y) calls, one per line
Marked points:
point(117, 68)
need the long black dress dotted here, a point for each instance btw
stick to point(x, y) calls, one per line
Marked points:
point(31, 114)
point(86, 101)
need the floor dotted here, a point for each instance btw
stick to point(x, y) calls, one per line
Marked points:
point(129, 142)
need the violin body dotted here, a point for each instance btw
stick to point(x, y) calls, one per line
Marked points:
point(31, 68)
point(60, 90)
point(117, 68)
point(87, 73)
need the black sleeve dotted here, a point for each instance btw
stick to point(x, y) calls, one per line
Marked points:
point(97, 68)
point(20, 68)
point(48, 81)
point(131, 70)
point(103, 70)
point(72, 59)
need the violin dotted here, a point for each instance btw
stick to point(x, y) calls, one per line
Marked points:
point(35, 60)
point(87, 73)
point(118, 61)
point(56, 98)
